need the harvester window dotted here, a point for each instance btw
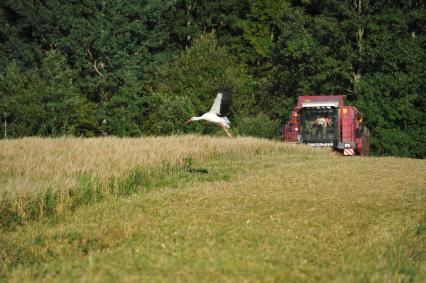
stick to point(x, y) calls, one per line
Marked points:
point(319, 125)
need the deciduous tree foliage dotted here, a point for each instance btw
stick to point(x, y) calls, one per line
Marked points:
point(131, 68)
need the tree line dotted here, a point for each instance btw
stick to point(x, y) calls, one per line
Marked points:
point(132, 68)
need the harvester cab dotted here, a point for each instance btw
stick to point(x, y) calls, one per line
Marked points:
point(324, 121)
point(319, 123)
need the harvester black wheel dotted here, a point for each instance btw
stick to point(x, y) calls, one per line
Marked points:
point(365, 142)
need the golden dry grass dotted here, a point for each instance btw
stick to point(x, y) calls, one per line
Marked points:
point(31, 164)
point(285, 214)
point(40, 177)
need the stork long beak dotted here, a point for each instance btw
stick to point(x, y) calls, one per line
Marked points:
point(189, 121)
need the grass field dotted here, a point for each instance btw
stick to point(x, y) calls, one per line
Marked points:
point(197, 209)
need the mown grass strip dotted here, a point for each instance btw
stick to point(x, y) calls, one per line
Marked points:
point(402, 260)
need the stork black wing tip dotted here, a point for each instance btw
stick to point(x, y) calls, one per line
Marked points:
point(225, 89)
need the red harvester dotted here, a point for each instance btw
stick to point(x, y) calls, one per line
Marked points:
point(324, 121)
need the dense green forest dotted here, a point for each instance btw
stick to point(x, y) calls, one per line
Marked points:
point(131, 68)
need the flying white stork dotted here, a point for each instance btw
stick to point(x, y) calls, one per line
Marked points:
point(218, 112)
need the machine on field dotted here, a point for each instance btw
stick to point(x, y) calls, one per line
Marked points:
point(325, 121)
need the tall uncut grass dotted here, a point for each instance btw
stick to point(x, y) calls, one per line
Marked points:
point(41, 177)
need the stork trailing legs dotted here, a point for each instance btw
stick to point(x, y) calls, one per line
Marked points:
point(226, 130)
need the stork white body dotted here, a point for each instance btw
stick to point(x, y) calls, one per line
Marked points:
point(213, 115)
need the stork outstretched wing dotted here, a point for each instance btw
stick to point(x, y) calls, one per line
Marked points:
point(221, 104)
